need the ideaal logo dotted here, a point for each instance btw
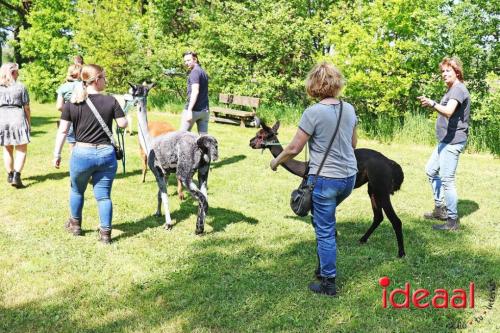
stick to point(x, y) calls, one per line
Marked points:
point(423, 298)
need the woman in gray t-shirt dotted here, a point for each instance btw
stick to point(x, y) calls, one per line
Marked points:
point(15, 120)
point(452, 129)
point(338, 175)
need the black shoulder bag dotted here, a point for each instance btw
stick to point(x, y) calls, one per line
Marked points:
point(118, 149)
point(301, 198)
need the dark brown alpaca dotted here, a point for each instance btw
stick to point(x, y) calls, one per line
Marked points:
point(383, 176)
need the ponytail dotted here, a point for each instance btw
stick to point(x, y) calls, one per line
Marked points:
point(90, 74)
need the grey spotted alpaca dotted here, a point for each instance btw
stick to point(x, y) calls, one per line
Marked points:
point(182, 153)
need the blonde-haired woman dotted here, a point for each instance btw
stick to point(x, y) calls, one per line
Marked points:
point(338, 174)
point(93, 155)
point(64, 93)
point(15, 122)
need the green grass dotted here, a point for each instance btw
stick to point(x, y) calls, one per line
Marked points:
point(250, 271)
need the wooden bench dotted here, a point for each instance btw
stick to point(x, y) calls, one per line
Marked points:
point(234, 116)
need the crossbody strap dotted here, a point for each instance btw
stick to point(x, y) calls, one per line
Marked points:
point(100, 120)
point(329, 145)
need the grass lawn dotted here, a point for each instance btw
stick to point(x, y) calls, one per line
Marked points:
point(250, 270)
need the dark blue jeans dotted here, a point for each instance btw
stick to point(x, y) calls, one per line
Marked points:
point(100, 163)
point(328, 193)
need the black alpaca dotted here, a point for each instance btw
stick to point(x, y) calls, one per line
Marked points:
point(384, 177)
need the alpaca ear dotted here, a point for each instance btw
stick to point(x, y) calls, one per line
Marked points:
point(276, 126)
point(151, 85)
point(131, 85)
point(265, 127)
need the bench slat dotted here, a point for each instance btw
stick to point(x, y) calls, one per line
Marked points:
point(225, 120)
point(233, 112)
point(246, 101)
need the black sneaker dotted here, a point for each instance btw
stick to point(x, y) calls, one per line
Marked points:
point(10, 176)
point(326, 286)
point(451, 224)
point(439, 213)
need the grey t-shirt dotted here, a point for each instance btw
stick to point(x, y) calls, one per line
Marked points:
point(14, 95)
point(319, 121)
point(198, 76)
point(66, 89)
point(456, 128)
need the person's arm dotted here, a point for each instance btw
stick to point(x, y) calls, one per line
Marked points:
point(195, 90)
point(62, 132)
point(445, 110)
point(292, 150)
point(122, 122)
point(59, 102)
point(354, 137)
point(27, 112)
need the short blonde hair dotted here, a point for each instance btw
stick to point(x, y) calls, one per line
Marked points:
point(74, 72)
point(6, 77)
point(456, 64)
point(324, 80)
point(90, 74)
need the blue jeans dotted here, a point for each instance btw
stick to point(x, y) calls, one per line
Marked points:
point(328, 193)
point(441, 169)
point(100, 163)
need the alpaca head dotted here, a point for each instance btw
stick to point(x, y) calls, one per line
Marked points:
point(209, 146)
point(265, 136)
point(140, 90)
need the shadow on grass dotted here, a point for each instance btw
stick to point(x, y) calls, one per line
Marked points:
point(41, 121)
point(233, 284)
point(37, 133)
point(226, 161)
point(32, 180)
point(466, 207)
point(217, 218)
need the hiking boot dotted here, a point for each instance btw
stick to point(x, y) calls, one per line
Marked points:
point(326, 286)
point(74, 226)
point(10, 176)
point(16, 180)
point(105, 236)
point(439, 213)
point(451, 224)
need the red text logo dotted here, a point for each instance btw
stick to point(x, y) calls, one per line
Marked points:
point(423, 298)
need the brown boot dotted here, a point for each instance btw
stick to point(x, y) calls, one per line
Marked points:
point(439, 213)
point(451, 224)
point(105, 236)
point(74, 226)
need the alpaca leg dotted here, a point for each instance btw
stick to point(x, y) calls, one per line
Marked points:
point(396, 223)
point(378, 217)
point(202, 205)
point(203, 179)
point(144, 167)
point(180, 193)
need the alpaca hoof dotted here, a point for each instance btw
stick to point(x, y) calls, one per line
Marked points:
point(198, 232)
point(168, 227)
point(158, 214)
point(181, 196)
point(363, 241)
point(401, 254)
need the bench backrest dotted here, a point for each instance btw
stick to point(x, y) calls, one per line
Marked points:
point(252, 102)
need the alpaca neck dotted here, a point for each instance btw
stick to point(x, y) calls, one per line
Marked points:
point(297, 168)
point(142, 119)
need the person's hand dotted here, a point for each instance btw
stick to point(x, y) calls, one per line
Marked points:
point(273, 165)
point(56, 162)
point(427, 102)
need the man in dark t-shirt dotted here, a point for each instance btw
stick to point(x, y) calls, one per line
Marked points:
point(196, 109)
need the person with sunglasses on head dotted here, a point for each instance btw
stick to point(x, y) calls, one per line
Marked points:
point(196, 109)
point(15, 122)
point(452, 129)
point(93, 154)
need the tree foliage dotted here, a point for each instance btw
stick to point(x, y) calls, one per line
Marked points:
point(388, 50)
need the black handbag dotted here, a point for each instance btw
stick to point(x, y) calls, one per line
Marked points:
point(118, 149)
point(301, 198)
